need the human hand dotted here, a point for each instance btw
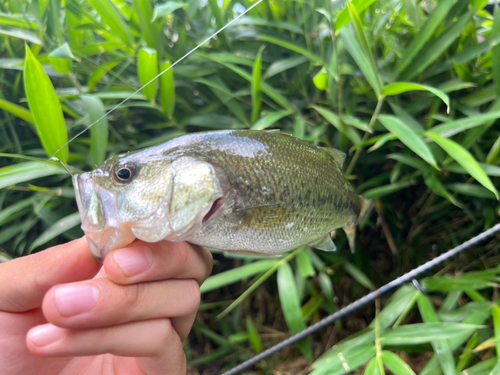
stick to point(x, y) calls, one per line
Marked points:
point(127, 316)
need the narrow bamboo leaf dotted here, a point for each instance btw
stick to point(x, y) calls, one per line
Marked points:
point(61, 59)
point(22, 34)
point(401, 87)
point(99, 132)
point(269, 119)
point(254, 335)
point(429, 27)
point(372, 367)
point(381, 140)
point(428, 54)
point(326, 286)
point(11, 210)
point(356, 122)
point(283, 65)
point(471, 190)
point(438, 188)
point(100, 72)
point(441, 346)
point(412, 139)
point(162, 10)
point(396, 364)
point(495, 51)
point(299, 126)
point(45, 107)
point(25, 21)
point(457, 126)
point(290, 305)
point(333, 119)
point(425, 332)
point(382, 191)
point(496, 325)
point(113, 20)
point(147, 67)
point(346, 361)
point(151, 31)
point(465, 159)
point(492, 156)
point(237, 274)
point(361, 60)
point(363, 42)
point(217, 14)
point(23, 172)
point(304, 264)
point(56, 229)
point(167, 89)
point(256, 86)
point(291, 46)
point(358, 275)
point(17, 110)
point(412, 162)
point(344, 16)
point(445, 283)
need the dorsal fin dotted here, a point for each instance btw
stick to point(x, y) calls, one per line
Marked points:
point(337, 155)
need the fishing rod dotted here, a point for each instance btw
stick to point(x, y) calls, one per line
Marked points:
point(371, 297)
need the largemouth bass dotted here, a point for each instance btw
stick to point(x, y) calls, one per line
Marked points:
point(238, 190)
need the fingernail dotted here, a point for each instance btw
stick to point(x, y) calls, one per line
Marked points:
point(133, 261)
point(46, 334)
point(76, 299)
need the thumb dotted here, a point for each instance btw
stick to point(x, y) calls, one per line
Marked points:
point(24, 281)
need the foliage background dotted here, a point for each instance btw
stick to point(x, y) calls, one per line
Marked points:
point(407, 88)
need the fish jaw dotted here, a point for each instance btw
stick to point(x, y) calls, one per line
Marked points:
point(99, 217)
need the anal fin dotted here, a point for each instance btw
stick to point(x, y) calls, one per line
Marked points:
point(324, 243)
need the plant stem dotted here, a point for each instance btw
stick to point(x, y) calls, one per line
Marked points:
point(357, 154)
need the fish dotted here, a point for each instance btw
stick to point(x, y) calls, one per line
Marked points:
point(248, 191)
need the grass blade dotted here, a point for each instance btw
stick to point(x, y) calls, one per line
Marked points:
point(495, 51)
point(401, 87)
point(256, 86)
point(465, 159)
point(396, 364)
point(151, 31)
point(17, 110)
point(56, 229)
point(99, 132)
point(409, 137)
point(147, 67)
point(113, 20)
point(167, 89)
point(22, 172)
point(45, 107)
point(344, 16)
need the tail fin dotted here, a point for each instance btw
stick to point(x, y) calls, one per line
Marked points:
point(350, 231)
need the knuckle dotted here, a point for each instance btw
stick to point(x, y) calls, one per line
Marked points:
point(132, 295)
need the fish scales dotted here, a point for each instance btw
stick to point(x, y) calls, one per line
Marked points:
point(276, 192)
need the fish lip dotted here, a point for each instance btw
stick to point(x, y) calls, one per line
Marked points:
point(99, 216)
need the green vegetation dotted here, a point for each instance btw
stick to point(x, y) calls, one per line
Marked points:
point(409, 89)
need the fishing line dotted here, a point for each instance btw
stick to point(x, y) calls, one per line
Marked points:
point(371, 297)
point(158, 75)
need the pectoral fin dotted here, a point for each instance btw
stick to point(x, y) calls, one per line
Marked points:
point(325, 244)
point(337, 155)
point(262, 217)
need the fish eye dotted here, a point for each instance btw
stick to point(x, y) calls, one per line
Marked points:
point(125, 172)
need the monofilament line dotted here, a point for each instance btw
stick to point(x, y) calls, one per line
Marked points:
point(369, 298)
point(159, 74)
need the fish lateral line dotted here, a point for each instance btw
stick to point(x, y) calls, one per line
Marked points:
point(155, 78)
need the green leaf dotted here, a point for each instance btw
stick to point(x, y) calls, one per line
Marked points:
point(320, 80)
point(396, 364)
point(237, 274)
point(290, 305)
point(17, 110)
point(359, 276)
point(429, 27)
point(61, 59)
point(256, 86)
point(56, 229)
point(151, 31)
point(363, 61)
point(492, 156)
point(345, 361)
point(269, 119)
point(283, 65)
point(456, 126)
point(363, 42)
point(434, 49)
point(45, 107)
point(291, 46)
point(22, 172)
point(495, 51)
point(438, 188)
point(99, 131)
point(167, 89)
point(372, 367)
point(162, 10)
point(409, 137)
point(21, 34)
point(420, 333)
point(465, 159)
point(25, 21)
point(147, 67)
point(397, 88)
point(304, 264)
point(254, 335)
point(445, 283)
point(344, 16)
point(113, 20)
point(333, 119)
point(496, 325)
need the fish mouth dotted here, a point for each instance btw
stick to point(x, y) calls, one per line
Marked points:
point(99, 215)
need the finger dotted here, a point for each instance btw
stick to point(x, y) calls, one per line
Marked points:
point(183, 325)
point(155, 339)
point(24, 281)
point(142, 261)
point(101, 302)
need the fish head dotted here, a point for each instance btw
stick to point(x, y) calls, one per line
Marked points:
point(149, 198)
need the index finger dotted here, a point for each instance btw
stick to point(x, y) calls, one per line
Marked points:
point(141, 261)
point(24, 281)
